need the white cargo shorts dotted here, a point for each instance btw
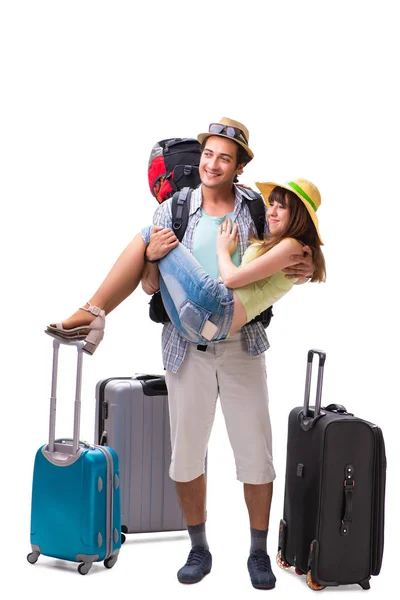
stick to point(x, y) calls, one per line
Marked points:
point(226, 370)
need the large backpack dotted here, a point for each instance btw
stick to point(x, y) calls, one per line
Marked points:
point(173, 165)
point(180, 216)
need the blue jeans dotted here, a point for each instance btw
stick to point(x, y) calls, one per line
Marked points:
point(191, 296)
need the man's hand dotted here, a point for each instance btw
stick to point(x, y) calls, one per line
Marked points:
point(227, 238)
point(162, 241)
point(303, 268)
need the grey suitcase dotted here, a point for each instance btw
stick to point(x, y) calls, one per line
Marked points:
point(132, 418)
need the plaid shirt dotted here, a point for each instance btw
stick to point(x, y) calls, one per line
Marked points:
point(173, 344)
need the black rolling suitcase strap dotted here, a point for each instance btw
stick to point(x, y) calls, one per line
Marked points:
point(348, 485)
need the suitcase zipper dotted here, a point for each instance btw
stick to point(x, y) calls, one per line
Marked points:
point(109, 499)
point(378, 515)
point(101, 441)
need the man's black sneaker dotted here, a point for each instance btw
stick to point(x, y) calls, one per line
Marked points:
point(197, 565)
point(259, 566)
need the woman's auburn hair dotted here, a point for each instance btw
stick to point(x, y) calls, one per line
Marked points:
point(300, 227)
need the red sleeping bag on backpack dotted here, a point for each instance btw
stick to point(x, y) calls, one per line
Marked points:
point(173, 164)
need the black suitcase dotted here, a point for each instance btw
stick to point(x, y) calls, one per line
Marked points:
point(333, 519)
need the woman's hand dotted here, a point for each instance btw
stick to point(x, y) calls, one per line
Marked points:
point(227, 238)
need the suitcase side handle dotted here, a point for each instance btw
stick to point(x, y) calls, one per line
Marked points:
point(307, 421)
point(53, 397)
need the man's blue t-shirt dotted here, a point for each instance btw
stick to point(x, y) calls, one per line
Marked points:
point(205, 238)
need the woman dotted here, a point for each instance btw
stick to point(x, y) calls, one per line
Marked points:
point(201, 308)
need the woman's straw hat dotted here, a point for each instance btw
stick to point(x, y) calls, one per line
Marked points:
point(306, 191)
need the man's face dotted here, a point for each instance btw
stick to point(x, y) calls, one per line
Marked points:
point(218, 162)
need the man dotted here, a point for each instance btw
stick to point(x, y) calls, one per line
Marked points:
point(234, 369)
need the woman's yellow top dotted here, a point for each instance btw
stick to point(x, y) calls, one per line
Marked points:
point(259, 295)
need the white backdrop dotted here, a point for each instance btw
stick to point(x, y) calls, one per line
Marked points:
point(87, 89)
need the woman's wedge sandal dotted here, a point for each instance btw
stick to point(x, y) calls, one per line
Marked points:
point(92, 333)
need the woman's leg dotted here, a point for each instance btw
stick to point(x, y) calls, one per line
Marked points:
point(200, 307)
point(184, 277)
point(120, 282)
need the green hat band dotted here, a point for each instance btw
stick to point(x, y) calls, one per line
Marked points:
point(302, 193)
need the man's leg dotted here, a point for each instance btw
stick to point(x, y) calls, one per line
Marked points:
point(192, 395)
point(244, 400)
point(192, 498)
point(258, 501)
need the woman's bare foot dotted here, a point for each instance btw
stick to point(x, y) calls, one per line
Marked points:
point(79, 318)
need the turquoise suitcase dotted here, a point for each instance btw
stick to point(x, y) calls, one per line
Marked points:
point(76, 512)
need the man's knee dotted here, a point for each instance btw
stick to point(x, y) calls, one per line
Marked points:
point(183, 471)
point(257, 477)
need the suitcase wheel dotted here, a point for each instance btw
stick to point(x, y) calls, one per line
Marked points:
point(123, 538)
point(84, 568)
point(32, 557)
point(298, 572)
point(110, 562)
point(312, 584)
point(282, 563)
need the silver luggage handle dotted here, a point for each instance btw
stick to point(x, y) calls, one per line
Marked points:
point(53, 398)
point(306, 420)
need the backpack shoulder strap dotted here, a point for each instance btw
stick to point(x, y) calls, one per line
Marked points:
point(180, 211)
point(256, 205)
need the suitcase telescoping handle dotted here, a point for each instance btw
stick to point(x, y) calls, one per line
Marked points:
point(307, 420)
point(53, 397)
